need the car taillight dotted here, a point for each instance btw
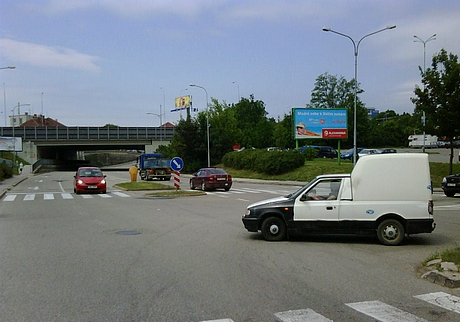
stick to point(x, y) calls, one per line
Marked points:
point(212, 178)
point(430, 207)
point(229, 177)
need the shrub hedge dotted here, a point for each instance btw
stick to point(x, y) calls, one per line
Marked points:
point(262, 161)
point(5, 171)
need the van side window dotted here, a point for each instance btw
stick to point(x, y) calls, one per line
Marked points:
point(325, 190)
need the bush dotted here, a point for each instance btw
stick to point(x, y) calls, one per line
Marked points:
point(266, 162)
point(5, 171)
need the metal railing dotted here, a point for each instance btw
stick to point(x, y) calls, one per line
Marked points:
point(88, 133)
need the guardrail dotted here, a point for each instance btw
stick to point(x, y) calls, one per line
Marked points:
point(88, 133)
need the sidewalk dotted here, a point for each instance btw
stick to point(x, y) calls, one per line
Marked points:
point(9, 183)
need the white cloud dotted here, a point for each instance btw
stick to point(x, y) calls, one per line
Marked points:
point(44, 56)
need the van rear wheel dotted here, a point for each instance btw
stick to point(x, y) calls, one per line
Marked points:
point(390, 232)
point(273, 229)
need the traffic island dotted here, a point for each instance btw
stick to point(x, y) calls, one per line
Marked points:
point(441, 273)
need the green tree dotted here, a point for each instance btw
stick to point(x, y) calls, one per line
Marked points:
point(254, 128)
point(440, 97)
point(282, 133)
point(333, 92)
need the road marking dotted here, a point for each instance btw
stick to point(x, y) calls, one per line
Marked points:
point(384, 312)
point(29, 197)
point(48, 196)
point(10, 198)
point(221, 320)
point(121, 194)
point(87, 196)
point(105, 196)
point(444, 300)
point(301, 316)
point(66, 196)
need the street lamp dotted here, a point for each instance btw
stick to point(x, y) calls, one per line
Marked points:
point(14, 137)
point(207, 121)
point(356, 48)
point(161, 120)
point(4, 92)
point(433, 37)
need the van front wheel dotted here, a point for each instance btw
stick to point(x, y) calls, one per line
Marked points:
point(273, 229)
point(390, 232)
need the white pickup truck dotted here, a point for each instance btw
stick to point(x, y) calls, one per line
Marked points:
point(388, 195)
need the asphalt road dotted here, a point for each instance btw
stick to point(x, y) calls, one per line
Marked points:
point(125, 257)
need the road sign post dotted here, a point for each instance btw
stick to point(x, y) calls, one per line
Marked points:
point(176, 165)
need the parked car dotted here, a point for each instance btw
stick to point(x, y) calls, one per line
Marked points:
point(321, 151)
point(211, 178)
point(365, 152)
point(451, 185)
point(89, 179)
point(387, 150)
point(348, 154)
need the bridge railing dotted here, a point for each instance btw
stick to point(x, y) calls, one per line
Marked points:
point(88, 133)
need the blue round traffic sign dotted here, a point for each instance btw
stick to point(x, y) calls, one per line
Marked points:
point(177, 164)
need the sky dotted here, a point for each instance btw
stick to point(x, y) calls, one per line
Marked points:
point(97, 62)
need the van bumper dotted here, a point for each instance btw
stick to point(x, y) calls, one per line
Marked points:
point(417, 226)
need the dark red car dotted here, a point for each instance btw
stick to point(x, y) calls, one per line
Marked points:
point(211, 178)
point(89, 179)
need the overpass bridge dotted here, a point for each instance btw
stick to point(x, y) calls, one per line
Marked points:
point(59, 144)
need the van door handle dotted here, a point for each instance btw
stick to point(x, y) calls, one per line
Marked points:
point(329, 208)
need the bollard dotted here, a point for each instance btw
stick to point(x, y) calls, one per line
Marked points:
point(133, 173)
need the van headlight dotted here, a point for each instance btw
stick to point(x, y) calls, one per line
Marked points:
point(444, 180)
point(247, 212)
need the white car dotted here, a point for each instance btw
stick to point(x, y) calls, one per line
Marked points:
point(365, 152)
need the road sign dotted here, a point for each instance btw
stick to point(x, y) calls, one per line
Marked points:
point(177, 164)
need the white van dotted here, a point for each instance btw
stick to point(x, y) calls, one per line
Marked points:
point(388, 195)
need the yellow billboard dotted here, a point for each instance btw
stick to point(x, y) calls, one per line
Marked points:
point(183, 102)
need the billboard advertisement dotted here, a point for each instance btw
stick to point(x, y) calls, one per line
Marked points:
point(320, 123)
point(182, 102)
point(10, 144)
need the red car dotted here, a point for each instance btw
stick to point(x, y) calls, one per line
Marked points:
point(89, 179)
point(211, 178)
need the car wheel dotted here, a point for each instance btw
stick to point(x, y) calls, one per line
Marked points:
point(390, 232)
point(449, 194)
point(227, 188)
point(203, 186)
point(192, 187)
point(273, 229)
point(104, 191)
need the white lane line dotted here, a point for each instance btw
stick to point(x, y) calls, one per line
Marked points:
point(10, 197)
point(29, 197)
point(383, 312)
point(48, 196)
point(221, 320)
point(444, 300)
point(301, 316)
point(105, 196)
point(87, 196)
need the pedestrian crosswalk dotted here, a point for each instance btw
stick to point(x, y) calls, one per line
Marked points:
point(377, 310)
point(61, 195)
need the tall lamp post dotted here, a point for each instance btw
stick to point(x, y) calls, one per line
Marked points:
point(161, 119)
point(418, 39)
point(14, 137)
point(4, 93)
point(355, 90)
point(207, 121)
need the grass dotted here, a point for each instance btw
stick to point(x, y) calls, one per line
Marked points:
point(313, 168)
point(143, 185)
point(448, 255)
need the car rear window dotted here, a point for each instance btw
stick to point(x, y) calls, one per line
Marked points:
point(217, 171)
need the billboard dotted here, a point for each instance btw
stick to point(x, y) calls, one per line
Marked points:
point(319, 123)
point(10, 144)
point(182, 102)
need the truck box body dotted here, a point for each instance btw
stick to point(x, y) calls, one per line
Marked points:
point(386, 195)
